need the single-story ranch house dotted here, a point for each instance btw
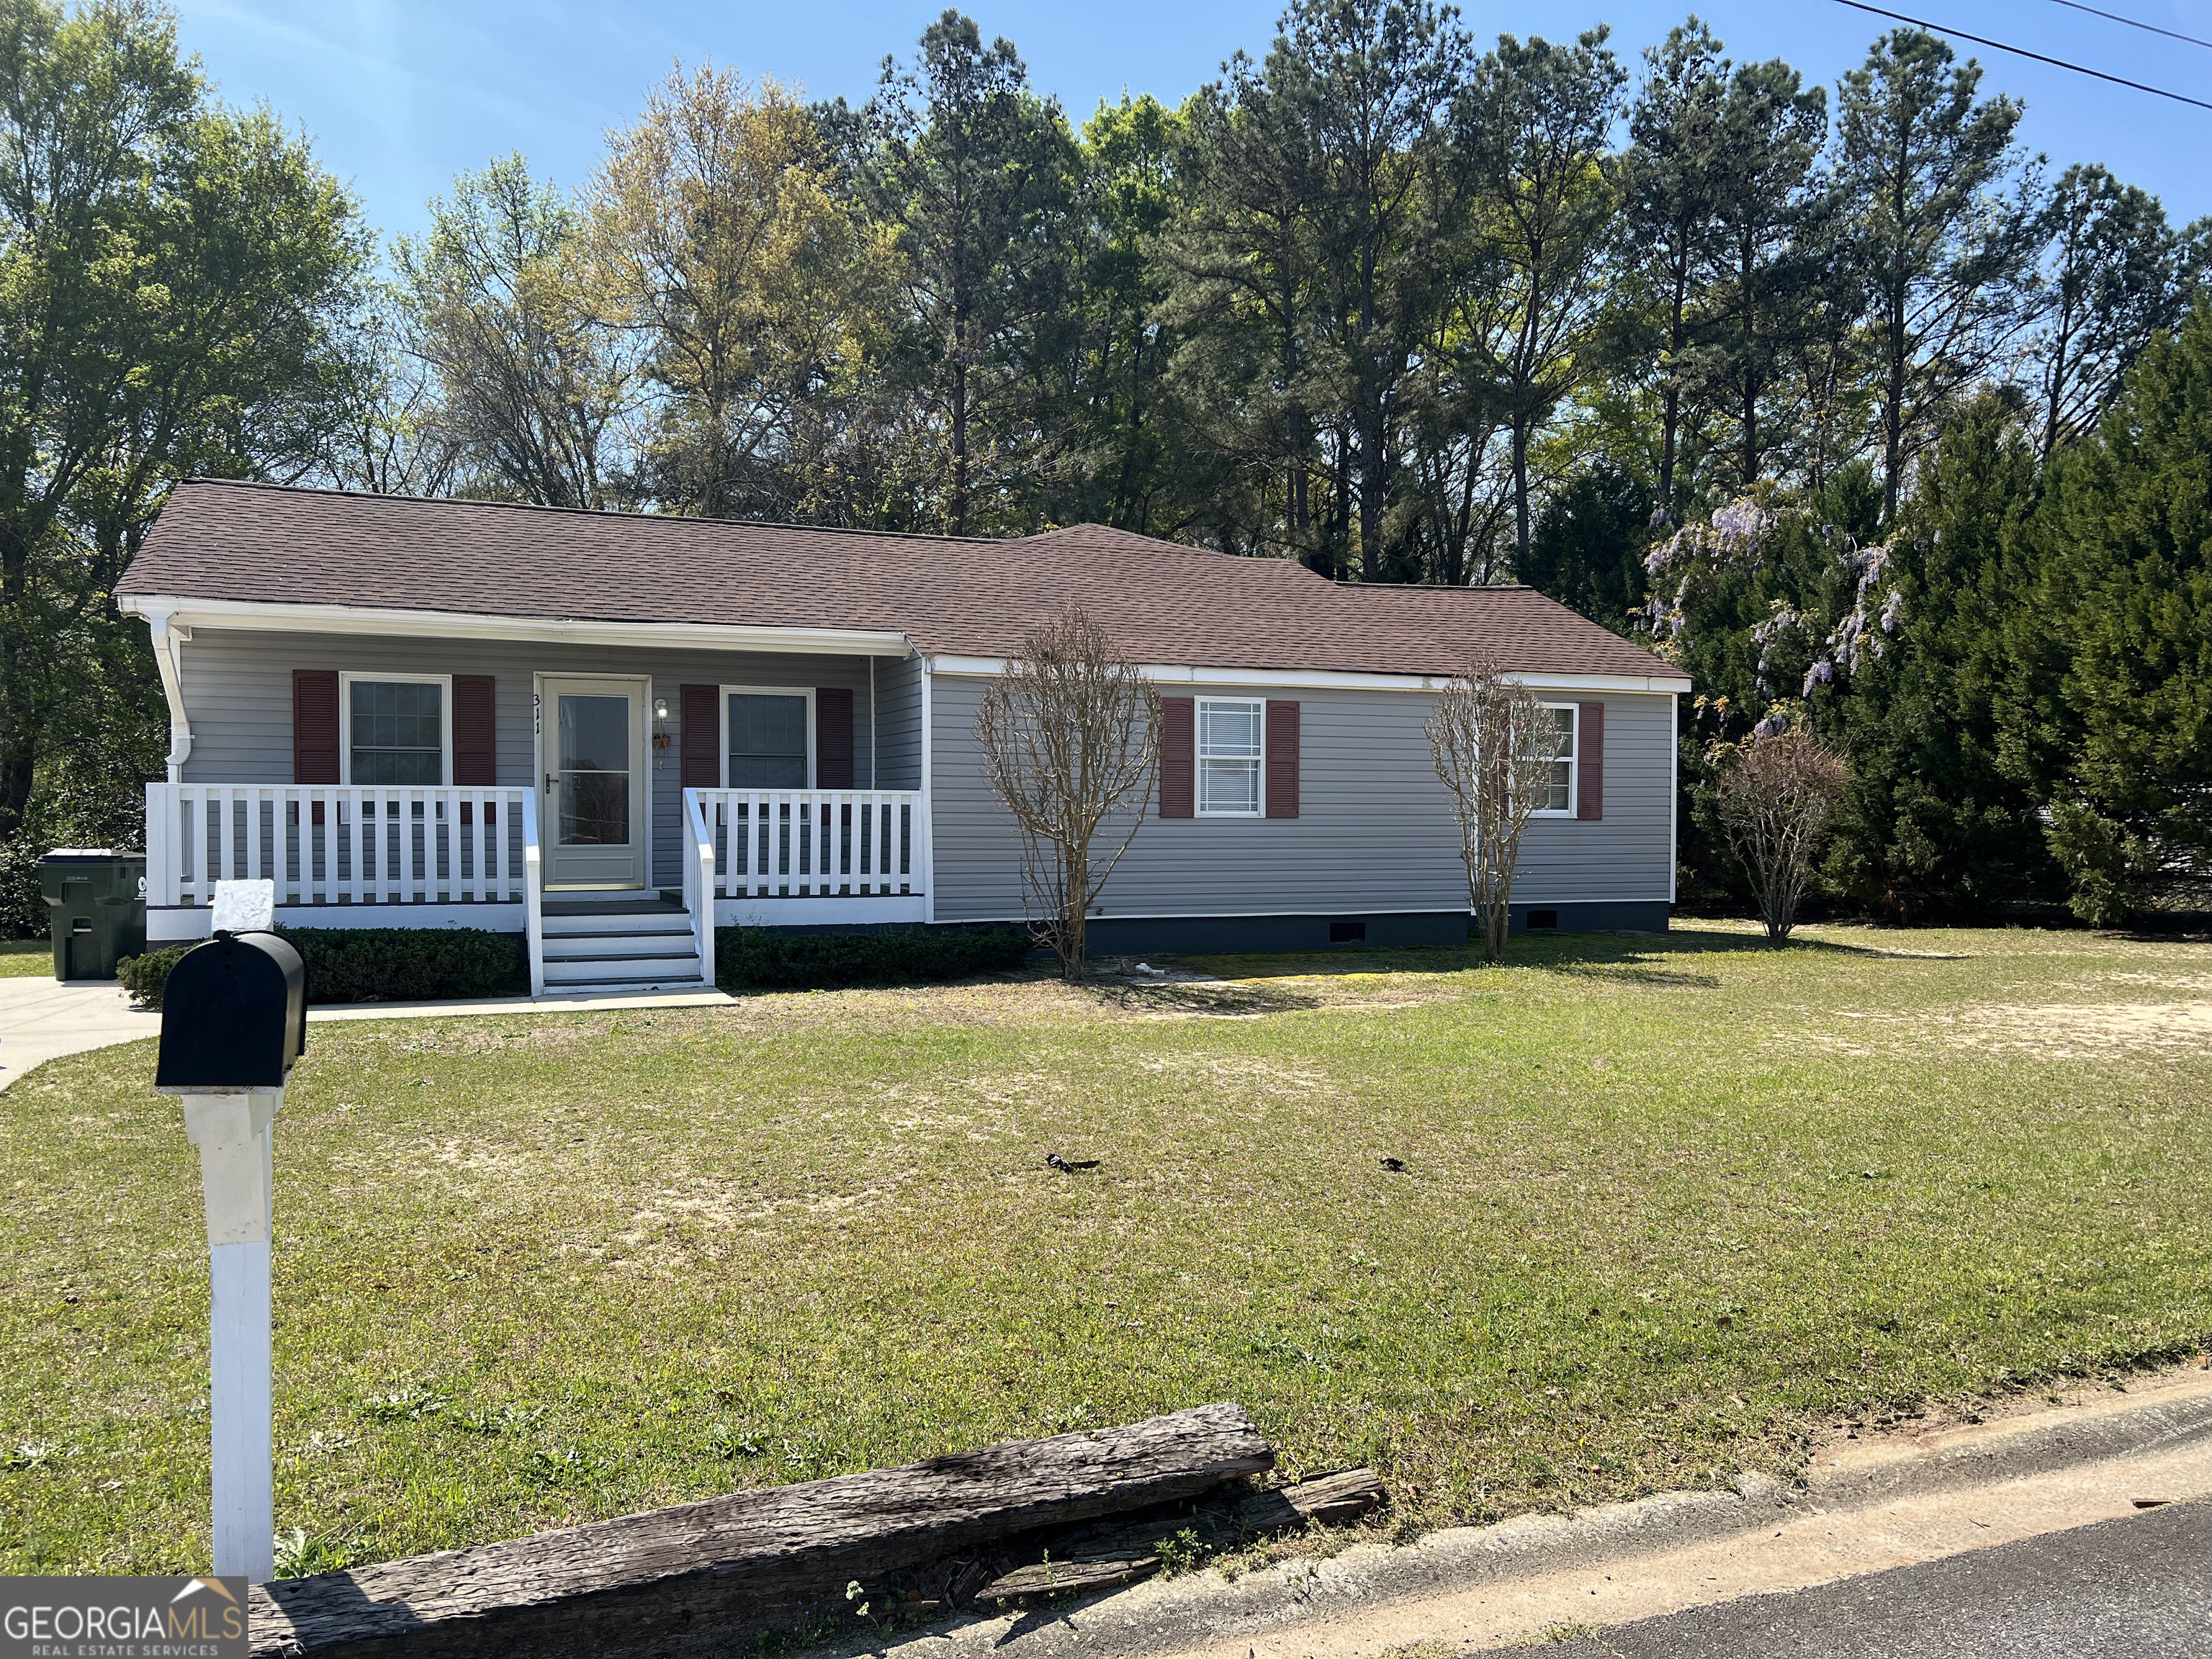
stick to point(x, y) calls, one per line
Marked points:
point(611, 733)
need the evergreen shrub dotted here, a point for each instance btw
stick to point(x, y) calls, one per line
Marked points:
point(375, 964)
point(755, 959)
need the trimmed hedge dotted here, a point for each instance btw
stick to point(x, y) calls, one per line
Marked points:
point(755, 959)
point(375, 964)
point(145, 976)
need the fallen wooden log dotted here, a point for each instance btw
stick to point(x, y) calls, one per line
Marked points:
point(1077, 1573)
point(688, 1579)
point(1099, 1557)
point(1344, 1495)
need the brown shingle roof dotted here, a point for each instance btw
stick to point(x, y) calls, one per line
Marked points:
point(1163, 603)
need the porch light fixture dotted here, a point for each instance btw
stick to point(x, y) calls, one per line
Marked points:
point(661, 734)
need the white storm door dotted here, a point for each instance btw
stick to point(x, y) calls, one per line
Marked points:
point(592, 733)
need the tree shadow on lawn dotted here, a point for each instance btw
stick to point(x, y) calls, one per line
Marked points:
point(1614, 956)
point(1219, 998)
point(1620, 958)
point(1693, 938)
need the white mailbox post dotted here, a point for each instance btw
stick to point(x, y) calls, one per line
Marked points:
point(232, 1132)
point(233, 1021)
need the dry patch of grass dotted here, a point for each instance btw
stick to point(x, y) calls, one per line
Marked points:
point(1668, 1206)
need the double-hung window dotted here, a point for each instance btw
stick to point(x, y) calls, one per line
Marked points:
point(1231, 735)
point(397, 730)
point(1560, 798)
point(769, 733)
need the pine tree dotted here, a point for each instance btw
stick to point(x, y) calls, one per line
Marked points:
point(2113, 723)
point(974, 175)
point(1934, 823)
point(2118, 273)
point(1947, 260)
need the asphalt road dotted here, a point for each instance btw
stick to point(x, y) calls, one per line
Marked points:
point(2136, 1588)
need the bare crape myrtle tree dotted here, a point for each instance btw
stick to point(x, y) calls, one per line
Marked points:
point(1495, 746)
point(1071, 736)
point(1777, 794)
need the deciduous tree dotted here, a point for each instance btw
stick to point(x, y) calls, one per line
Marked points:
point(1070, 733)
point(176, 282)
point(1777, 792)
point(533, 383)
point(1495, 746)
point(746, 281)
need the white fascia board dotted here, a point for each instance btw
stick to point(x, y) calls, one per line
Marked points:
point(465, 625)
point(1326, 678)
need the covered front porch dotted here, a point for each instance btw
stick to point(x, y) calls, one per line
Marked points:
point(422, 856)
point(610, 793)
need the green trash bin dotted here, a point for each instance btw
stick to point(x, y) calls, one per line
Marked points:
point(98, 899)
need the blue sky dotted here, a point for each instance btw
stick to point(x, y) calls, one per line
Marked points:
point(400, 95)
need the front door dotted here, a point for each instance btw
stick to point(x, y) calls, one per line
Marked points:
point(592, 733)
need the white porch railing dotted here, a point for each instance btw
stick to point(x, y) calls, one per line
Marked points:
point(350, 845)
point(806, 843)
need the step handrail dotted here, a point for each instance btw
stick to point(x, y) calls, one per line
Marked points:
point(699, 883)
point(533, 894)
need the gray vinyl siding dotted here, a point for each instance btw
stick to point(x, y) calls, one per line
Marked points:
point(898, 720)
point(238, 695)
point(1373, 833)
point(1629, 853)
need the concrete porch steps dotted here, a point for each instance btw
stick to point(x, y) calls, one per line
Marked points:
point(625, 944)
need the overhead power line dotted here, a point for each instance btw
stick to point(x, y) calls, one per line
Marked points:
point(2022, 52)
point(2114, 17)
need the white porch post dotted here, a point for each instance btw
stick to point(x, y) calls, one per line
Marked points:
point(235, 1133)
point(926, 854)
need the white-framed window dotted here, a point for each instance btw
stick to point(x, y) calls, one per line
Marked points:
point(1559, 801)
point(767, 737)
point(396, 728)
point(1231, 745)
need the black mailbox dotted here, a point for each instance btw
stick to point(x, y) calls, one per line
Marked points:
point(233, 1015)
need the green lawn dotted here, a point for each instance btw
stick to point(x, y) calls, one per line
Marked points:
point(24, 958)
point(1669, 1205)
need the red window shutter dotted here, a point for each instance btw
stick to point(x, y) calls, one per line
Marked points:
point(1282, 759)
point(1178, 757)
point(315, 725)
point(1589, 758)
point(833, 737)
point(699, 733)
point(476, 732)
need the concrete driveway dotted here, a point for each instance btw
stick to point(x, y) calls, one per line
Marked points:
point(41, 1019)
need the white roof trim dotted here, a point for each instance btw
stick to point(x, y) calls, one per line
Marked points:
point(464, 625)
point(1326, 678)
